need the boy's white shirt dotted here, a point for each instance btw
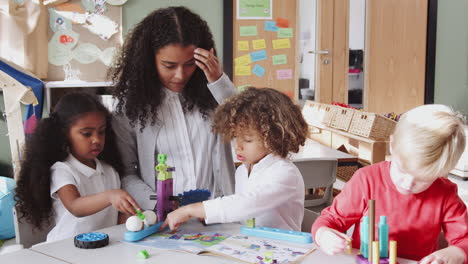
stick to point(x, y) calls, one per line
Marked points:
point(88, 181)
point(273, 193)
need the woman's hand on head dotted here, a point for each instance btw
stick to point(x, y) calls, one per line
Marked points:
point(448, 255)
point(122, 201)
point(208, 62)
point(331, 241)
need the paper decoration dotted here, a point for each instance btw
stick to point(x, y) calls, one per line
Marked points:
point(67, 38)
point(258, 70)
point(284, 74)
point(116, 2)
point(281, 44)
point(258, 55)
point(86, 53)
point(74, 17)
point(248, 31)
point(107, 56)
point(243, 45)
point(243, 87)
point(279, 59)
point(58, 22)
point(243, 60)
point(254, 9)
point(259, 44)
point(242, 70)
point(270, 26)
point(282, 22)
point(59, 55)
point(95, 6)
point(101, 25)
point(285, 33)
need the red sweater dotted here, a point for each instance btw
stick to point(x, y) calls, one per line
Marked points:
point(415, 221)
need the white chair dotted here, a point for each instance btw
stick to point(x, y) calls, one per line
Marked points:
point(26, 234)
point(317, 173)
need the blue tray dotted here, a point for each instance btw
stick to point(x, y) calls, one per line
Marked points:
point(139, 235)
point(276, 233)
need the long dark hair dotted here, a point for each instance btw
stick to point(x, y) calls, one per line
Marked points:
point(48, 144)
point(137, 84)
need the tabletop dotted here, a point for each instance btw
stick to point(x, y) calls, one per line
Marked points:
point(28, 256)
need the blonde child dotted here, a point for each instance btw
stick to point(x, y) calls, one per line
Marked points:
point(67, 177)
point(265, 126)
point(412, 190)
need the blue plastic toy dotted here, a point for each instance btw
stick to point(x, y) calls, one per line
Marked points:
point(276, 233)
point(139, 235)
point(7, 201)
point(91, 240)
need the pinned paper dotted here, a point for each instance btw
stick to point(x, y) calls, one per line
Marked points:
point(95, 6)
point(258, 70)
point(75, 18)
point(279, 59)
point(257, 9)
point(248, 31)
point(242, 60)
point(270, 26)
point(243, 87)
point(259, 44)
point(66, 38)
point(59, 55)
point(116, 2)
point(285, 33)
point(58, 22)
point(242, 70)
point(258, 55)
point(282, 22)
point(284, 74)
point(107, 56)
point(281, 44)
point(243, 45)
point(86, 53)
point(102, 26)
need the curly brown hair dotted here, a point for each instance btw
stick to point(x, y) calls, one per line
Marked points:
point(269, 112)
point(137, 84)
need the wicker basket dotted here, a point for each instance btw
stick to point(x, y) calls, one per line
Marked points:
point(345, 171)
point(371, 126)
point(342, 118)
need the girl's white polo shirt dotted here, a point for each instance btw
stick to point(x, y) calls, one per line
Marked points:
point(88, 181)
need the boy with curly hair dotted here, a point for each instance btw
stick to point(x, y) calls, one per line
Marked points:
point(265, 125)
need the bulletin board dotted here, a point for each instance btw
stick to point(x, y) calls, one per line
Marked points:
point(76, 53)
point(264, 49)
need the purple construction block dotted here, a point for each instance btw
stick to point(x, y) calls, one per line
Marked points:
point(164, 192)
point(362, 260)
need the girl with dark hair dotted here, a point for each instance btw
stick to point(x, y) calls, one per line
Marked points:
point(69, 176)
point(168, 81)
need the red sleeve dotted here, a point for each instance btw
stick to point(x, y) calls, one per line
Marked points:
point(455, 223)
point(348, 207)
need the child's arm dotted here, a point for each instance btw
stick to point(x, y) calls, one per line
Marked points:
point(183, 214)
point(449, 255)
point(81, 206)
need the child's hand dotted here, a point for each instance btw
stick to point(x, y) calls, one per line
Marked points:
point(208, 62)
point(183, 214)
point(122, 201)
point(448, 255)
point(331, 241)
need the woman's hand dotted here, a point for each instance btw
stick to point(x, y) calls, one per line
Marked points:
point(448, 255)
point(331, 241)
point(122, 201)
point(208, 62)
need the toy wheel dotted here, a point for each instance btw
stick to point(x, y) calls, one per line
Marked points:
point(91, 240)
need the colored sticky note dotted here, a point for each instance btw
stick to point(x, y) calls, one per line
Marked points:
point(284, 74)
point(243, 45)
point(248, 31)
point(242, 70)
point(270, 26)
point(285, 33)
point(243, 87)
point(282, 22)
point(242, 60)
point(281, 44)
point(258, 55)
point(279, 59)
point(258, 70)
point(259, 44)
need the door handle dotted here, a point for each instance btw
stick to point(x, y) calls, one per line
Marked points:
point(324, 52)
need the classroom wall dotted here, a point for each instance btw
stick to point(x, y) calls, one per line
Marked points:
point(210, 10)
point(451, 71)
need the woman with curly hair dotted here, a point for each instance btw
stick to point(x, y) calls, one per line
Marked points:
point(168, 82)
point(69, 176)
point(265, 125)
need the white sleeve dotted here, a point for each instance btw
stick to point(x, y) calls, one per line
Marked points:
point(60, 175)
point(278, 189)
point(222, 88)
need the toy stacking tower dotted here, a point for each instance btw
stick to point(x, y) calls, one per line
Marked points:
point(375, 252)
point(163, 187)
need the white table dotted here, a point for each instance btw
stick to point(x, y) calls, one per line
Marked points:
point(28, 256)
point(119, 252)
